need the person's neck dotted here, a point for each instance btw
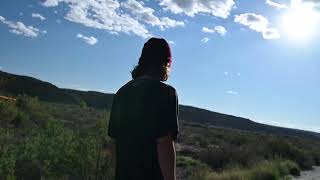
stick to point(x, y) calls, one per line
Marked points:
point(149, 77)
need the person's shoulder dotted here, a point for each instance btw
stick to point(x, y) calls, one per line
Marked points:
point(172, 91)
point(124, 87)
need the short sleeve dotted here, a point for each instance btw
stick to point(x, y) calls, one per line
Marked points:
point(170, 121)
point(113, 126)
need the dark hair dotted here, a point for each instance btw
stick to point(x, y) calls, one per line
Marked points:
point(161, 71)
point(155, 60)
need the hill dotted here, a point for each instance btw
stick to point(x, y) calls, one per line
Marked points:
point(14, 85)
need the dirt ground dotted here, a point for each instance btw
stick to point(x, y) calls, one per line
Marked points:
point(310, 175)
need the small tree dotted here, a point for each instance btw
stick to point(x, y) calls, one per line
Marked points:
point(8, 113)
point(7, 163)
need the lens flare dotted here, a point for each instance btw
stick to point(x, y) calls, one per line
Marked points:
point(300, 21)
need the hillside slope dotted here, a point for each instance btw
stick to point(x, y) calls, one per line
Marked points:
point(14, 85)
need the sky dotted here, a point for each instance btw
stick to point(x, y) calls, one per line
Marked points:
point(254, 59)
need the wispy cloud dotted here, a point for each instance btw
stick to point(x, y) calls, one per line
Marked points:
point(232, 92)
point(220, 30)
point(205, 40)
point(258, 23)
point(88, 39)
point(217, 29)
point(39, 16)
point(226, 73)
point(171, 42)
point(218, 8)
point(276, 5)
point(21, 29)
point(271, 33)
point(207, 30)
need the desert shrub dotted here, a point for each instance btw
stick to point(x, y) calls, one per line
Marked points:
point(8, 113)
point(234, 174)
point(186, 161)
point(279, 147)
point(227, 155)
point(7, 163)
point(264, 170)
point(59, 152)
point(21, 120)
point(288, 167)
point(303, 158)
point(199, 171)
point(316, 157)
point(33, 107)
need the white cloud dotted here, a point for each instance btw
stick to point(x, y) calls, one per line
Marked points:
point(88, 39)
point(167, 22)
point(217, 29)
point(21, 29)
point(105, 15)
point(253, 21)
point(39, 16)
point(0, 68)
point(50, 3)
point(276, 5)
point(208, 30)
point(146, 15)
point(220, 30)
point(218, 8)
point(205, 40)
point(258, 23)
point(232, 74)
point(232, 92)
point(171, 42)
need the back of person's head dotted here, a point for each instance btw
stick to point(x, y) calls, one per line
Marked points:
point(155, 60)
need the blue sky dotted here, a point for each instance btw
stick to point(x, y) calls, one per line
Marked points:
point(254, 59)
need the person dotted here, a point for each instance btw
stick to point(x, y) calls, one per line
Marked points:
point(144, 118)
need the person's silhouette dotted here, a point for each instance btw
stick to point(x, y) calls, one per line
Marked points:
point(144, 118)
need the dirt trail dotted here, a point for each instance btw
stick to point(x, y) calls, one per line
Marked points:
point(310, 175)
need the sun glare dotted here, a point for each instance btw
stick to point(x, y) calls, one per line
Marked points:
point(300, 21)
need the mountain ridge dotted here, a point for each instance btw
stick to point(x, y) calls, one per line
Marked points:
point(14, 85)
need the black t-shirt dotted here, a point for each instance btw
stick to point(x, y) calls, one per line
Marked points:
point(142, 111)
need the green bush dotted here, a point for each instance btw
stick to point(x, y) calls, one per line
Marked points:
point(34, 144)
point(199, 172)
point(60, 152)
point(186, 161)
point(7, 164)
point(265, 170)
point(288, 167)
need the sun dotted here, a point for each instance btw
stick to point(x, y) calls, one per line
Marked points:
point(300, 21)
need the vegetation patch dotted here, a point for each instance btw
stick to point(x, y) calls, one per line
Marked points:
point(61, 141)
